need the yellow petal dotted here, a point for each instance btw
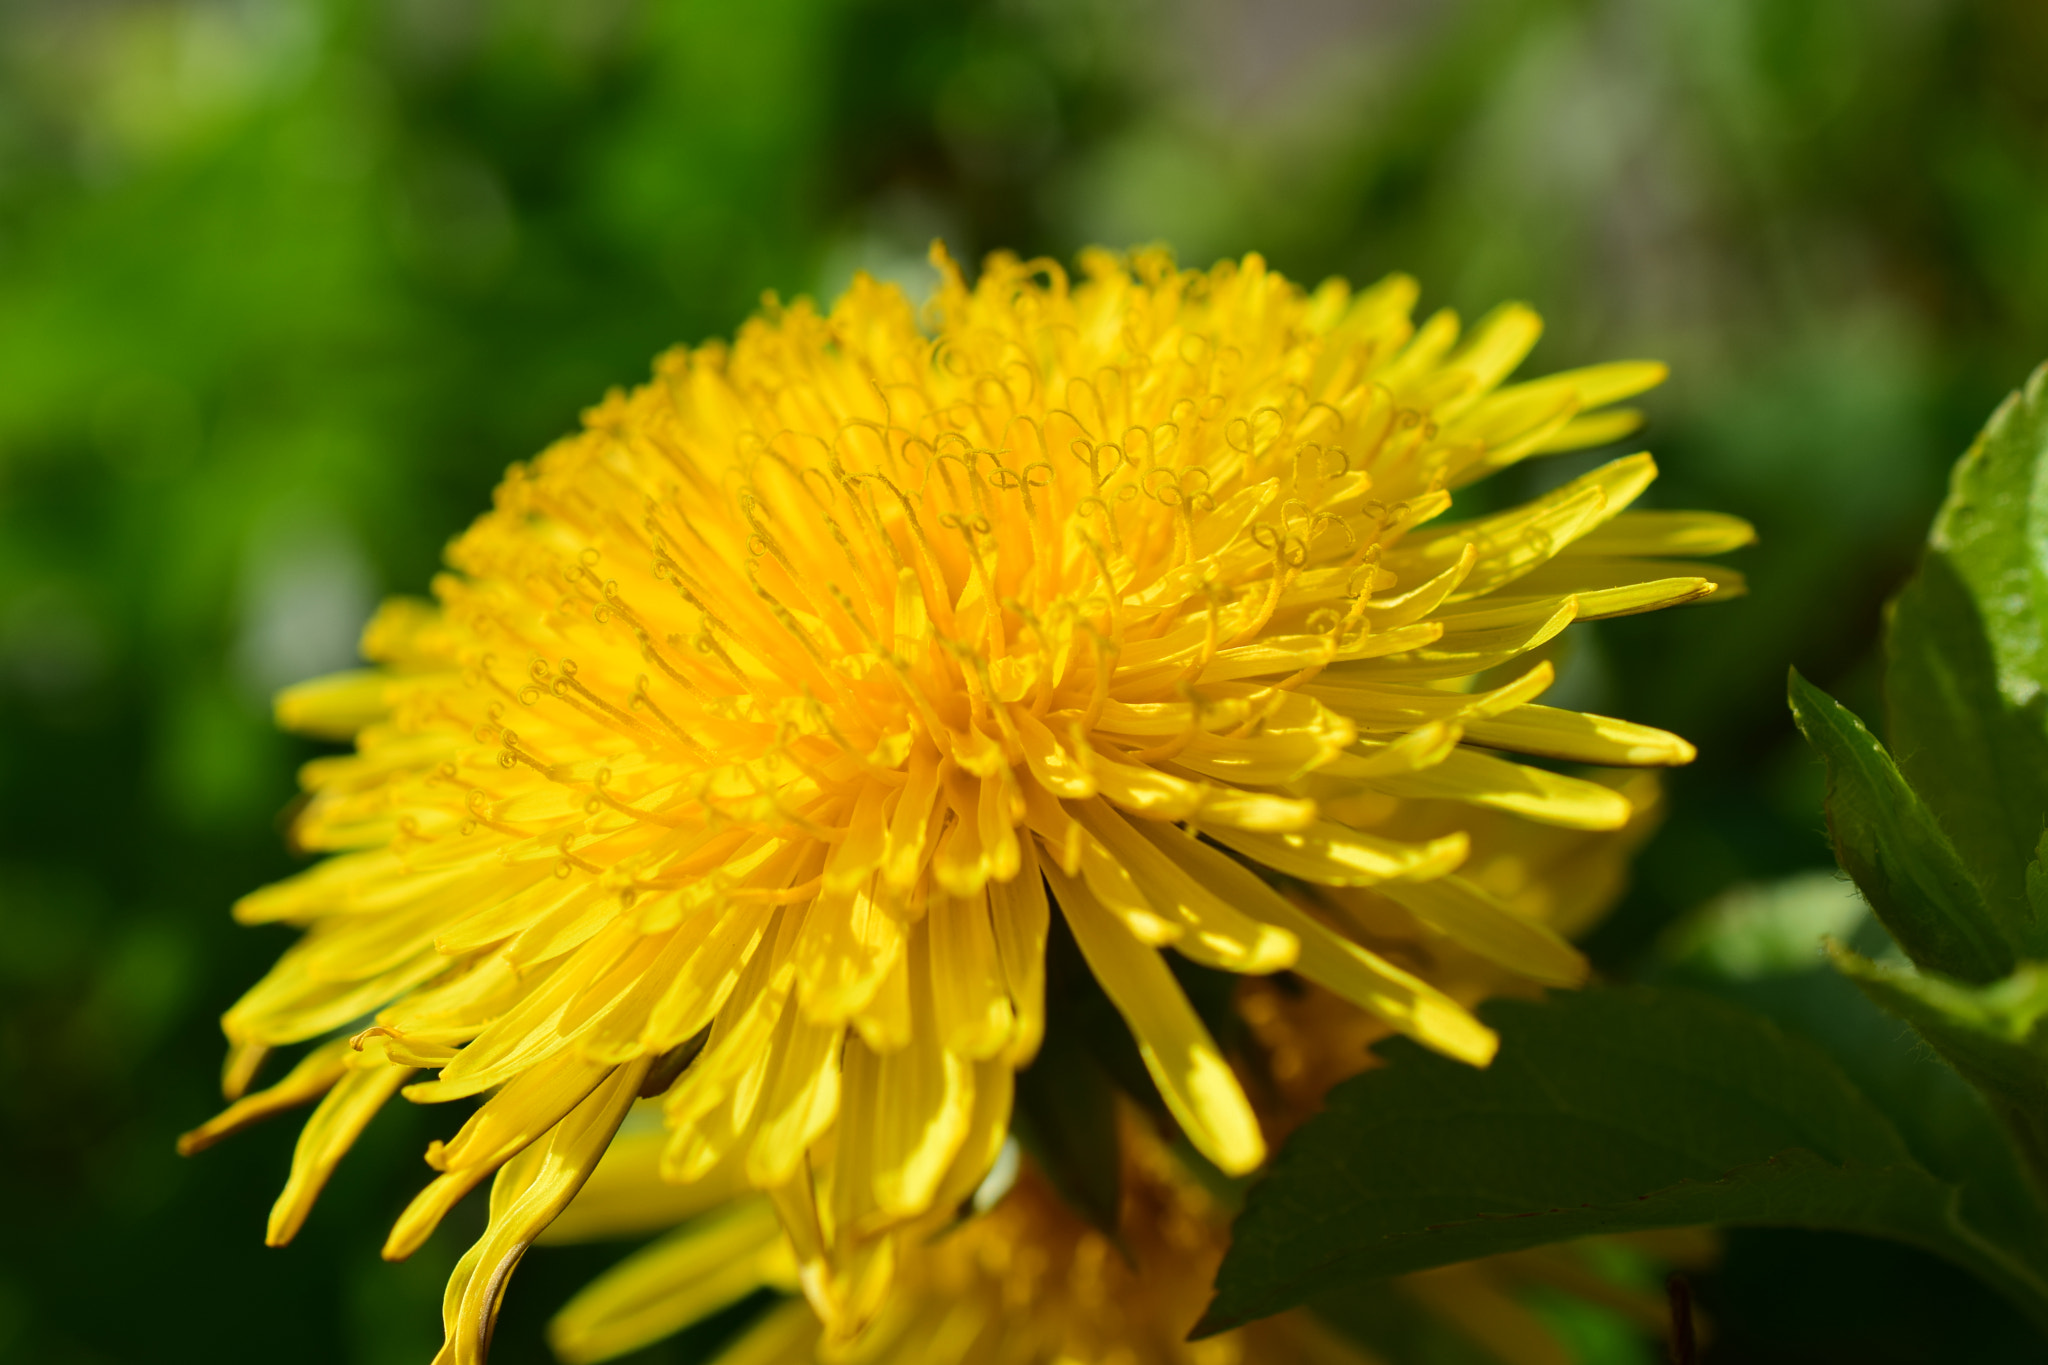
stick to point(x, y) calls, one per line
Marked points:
point(1602, 604)
point(1055, 768)
point(993, 1085)
point(1580, 737)
point(686, 1276)
point(924, 1095)
point(910, 819)
point(528, 1033)
point(1668, 533)
point(1114, 890)
point(1300, 736)
point(504, 1126)
point(1473, 919)
point(700, 991)
point(726, 1084)
point(1218, 933)
point(1377, 707)
point(529, 1192)
point(736, 1046)
point(326, 1138)
point(1160, 796)
point(1532, 793)
point(854, 859)
point(1592, 387)
point(1390, 613)
point(626, 1196)
point(1194, 1080)
point(800, 1097)
point(315, 1074)
point(1363, 977)
point(1599, 577)
point(1424, 747)
point(1058, 836)
point(1498, 343)
point(1469, 653)
point(1515, 542)
point(336, 706)
point(848, 943)
point(1593, 429)
point(1020, 916)
point(970, 1004)
point(1281, 654)
point(458, 1006)
point(287, 1007)
point(1337, 855)
point(884, 1022)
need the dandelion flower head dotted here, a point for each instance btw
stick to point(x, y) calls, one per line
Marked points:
point(757, 733)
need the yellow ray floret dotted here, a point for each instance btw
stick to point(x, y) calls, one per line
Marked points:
point(1021, 1278)
point(734, 754)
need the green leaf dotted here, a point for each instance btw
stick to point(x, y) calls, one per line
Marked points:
point(1996, 1036)
point(1888, 842)
point(1606, 1111)
point(1967, 651)
point(1948, 1125)
point(2037, 880)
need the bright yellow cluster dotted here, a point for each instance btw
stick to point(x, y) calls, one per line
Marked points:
point(1022, 1279)
point(1027, 1282)
point(745, 751)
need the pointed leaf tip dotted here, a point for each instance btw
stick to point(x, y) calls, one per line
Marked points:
point(1891, 846)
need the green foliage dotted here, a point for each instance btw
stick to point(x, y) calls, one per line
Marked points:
point(1994, 1036)
point(1967, 682)
point(1734, 949)
point(1607, 1111)
point(1966, 679)
point(285, 286)
point(1888, 841)
point(1948, 1125)
point(1627, 1110)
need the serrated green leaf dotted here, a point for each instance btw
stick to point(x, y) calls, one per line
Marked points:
point(1966, 681)
point(1606, 1111)
point(1995, 1036)
point(1888, 842)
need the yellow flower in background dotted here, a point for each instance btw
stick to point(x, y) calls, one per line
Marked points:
point(737, 755)
point(1028, 1281)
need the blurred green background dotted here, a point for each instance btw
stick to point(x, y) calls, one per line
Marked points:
point(285, 284)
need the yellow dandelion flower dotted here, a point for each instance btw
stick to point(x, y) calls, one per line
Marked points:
point(754, 734)
point(1027, 1281)
point(1308, 1039)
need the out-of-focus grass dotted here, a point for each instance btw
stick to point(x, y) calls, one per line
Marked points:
point(284, 284)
